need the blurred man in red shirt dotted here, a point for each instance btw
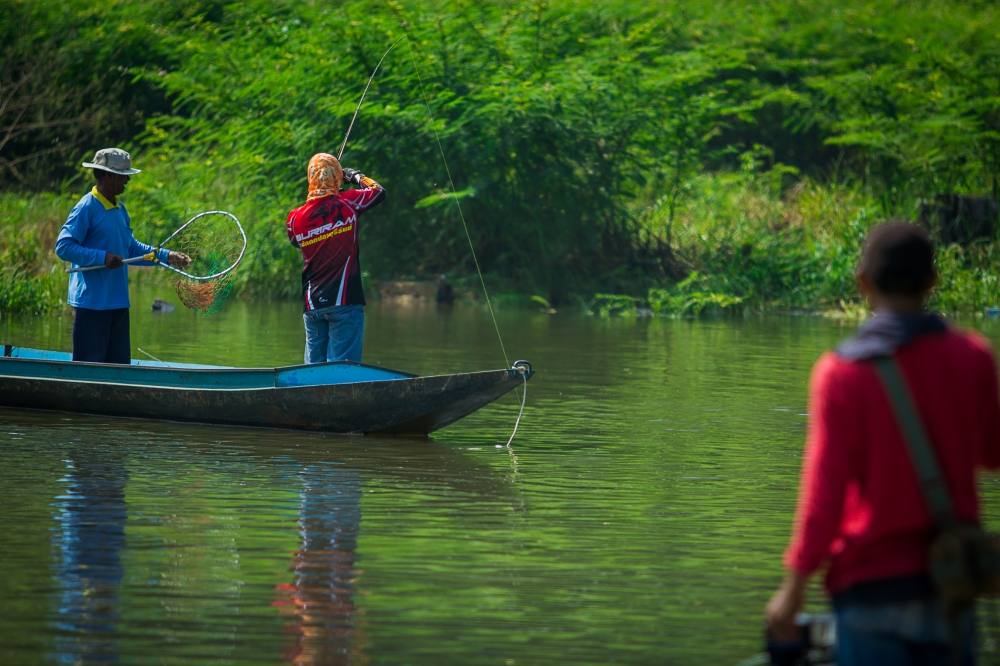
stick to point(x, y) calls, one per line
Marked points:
point(861, 511)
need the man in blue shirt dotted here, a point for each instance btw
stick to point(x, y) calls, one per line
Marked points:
point(98, 232)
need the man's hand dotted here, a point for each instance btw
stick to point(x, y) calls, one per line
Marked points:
point(353, 176)
point(112, 260)
point(784, 606)
point(178, 259)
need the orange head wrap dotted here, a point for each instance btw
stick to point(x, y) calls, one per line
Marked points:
point(325, 176)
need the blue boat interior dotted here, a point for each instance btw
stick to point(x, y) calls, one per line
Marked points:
point(46, 364)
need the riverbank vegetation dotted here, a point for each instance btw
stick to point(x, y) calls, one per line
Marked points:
point(676, 157)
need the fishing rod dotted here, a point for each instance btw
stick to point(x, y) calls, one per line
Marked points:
point(444, 160)
point(365, 92)
point(518, 365)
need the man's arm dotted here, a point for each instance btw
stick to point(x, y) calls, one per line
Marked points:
point(288, 229)
point(163, 255)
point(368, 195)
point(68, 243)
point(786, 603)
point(138, 248)
point(825, 474)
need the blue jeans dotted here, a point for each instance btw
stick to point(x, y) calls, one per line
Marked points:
point(334, 333)
point(902, 633)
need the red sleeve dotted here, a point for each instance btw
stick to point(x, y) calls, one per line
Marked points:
point(370, 194)
point(825, 469)
point(288, 229)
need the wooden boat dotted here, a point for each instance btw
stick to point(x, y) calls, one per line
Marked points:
point(341, 396)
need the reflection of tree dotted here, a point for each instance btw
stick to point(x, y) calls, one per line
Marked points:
point(90, 515)
point(320, 600)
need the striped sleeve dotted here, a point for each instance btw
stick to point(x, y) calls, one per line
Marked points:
point(370, 194)
point(289, 230)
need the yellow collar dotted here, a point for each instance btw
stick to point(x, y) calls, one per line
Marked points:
point(103, 199)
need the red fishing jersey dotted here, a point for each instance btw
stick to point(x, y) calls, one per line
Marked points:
point(326, 231)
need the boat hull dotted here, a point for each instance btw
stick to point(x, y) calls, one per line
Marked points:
point(397, 403)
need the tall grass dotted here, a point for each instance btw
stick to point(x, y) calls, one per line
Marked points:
point(742, 244)
point(30, 278)
point(750, 245)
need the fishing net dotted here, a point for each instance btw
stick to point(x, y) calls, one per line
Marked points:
point(215, 242)
point(206, 297)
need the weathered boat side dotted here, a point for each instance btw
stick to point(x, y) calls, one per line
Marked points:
point(59, 365)
point(283, 397)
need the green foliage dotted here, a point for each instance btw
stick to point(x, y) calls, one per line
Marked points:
point(968, 279)
point(920, 104)
point(67, 85)
point(22, 291)
point(543, 302)
point(595, 147)
point(793, 249)
point(613, 305)
point(441, 198)
point(30, 280)
point(691, 296)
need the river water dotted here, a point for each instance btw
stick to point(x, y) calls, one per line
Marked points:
point(638, 517)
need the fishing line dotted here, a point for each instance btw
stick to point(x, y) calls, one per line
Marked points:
point(517, 422)
point(465, 226)
point(148, 354)
point(461, 215)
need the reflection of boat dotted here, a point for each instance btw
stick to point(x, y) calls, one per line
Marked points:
point(335, 397)
point(253, 535)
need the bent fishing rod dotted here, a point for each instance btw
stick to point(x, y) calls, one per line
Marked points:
point(371, 78)
point(522, 367)
point(447, 169)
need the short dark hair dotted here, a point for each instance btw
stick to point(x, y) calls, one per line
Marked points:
point(898, 258)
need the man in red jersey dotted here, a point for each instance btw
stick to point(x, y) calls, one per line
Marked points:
point(861, 510)
point(325, 229)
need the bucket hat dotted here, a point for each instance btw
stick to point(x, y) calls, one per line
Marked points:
point(114, 160)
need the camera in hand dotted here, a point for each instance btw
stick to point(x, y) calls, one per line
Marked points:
point(814, 645)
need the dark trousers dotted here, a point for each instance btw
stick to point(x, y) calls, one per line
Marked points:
point(101, 336)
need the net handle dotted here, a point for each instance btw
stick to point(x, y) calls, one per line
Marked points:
point(203, 278)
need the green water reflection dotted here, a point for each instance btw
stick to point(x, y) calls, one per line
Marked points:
point(639, 517)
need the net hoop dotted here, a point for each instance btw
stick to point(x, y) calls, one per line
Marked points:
point(213, 276)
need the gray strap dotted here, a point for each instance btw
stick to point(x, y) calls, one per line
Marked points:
point(921, 453)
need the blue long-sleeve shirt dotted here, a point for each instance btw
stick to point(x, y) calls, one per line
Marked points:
point(93, 228)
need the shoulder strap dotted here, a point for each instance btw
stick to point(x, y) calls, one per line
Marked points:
point(921, 453)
